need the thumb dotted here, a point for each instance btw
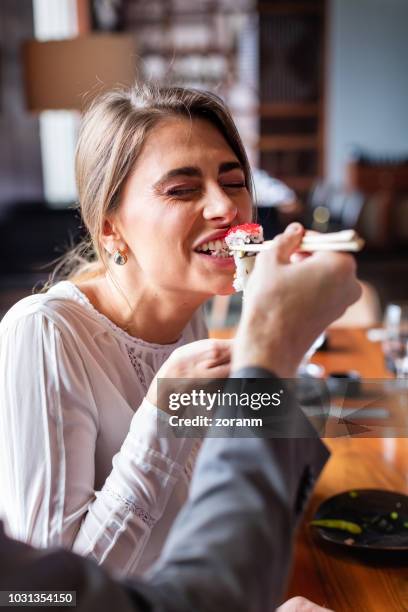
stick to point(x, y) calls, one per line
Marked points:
point(289, 241)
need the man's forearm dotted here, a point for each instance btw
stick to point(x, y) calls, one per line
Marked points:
point(231, 545)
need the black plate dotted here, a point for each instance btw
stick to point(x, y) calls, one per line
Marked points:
point(371, 509)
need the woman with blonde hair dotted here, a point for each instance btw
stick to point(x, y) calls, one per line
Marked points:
point(162, 175)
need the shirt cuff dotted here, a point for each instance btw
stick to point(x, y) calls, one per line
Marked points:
point(156, 439)
point(150, 461)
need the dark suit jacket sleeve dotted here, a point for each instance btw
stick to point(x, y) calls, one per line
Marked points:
point(230, 547)
point(25, 568)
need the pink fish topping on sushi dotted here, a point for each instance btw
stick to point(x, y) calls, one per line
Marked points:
point(244, 234)
point(250, 228)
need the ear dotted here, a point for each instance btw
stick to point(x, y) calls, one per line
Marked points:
point(111, 238)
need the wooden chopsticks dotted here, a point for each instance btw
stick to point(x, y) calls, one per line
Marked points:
point(346, 240)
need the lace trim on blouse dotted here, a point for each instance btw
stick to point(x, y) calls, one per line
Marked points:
point(82, 298)
point(134, 508)
point(137, 367)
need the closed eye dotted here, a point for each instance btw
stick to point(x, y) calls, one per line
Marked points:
point(182, 192)
point(234, 185)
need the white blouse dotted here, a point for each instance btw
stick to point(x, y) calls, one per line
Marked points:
point(81, 461)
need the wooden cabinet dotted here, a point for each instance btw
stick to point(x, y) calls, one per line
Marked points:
point(291, 93)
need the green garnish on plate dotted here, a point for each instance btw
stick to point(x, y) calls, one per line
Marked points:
point(337, 524)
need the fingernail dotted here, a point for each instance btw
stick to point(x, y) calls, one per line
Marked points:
point(294, 228)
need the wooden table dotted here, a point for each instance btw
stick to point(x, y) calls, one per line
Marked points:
point(327, 575)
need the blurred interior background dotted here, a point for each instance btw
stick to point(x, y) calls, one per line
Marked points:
point(318, 88)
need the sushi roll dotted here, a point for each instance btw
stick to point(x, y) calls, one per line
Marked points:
point(240, 235)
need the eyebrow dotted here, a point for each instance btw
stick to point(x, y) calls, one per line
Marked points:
point(194, 171)
point(227, 166)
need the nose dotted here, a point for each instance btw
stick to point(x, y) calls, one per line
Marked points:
point(219, 206)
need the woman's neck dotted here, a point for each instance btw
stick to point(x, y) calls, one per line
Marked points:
point(152, 315)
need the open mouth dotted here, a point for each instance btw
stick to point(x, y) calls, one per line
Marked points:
point(214, 248)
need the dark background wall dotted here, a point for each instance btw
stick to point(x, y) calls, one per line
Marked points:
point(367, 102)
point(20, 157)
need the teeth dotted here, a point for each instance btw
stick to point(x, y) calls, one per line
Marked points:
point(217, 247)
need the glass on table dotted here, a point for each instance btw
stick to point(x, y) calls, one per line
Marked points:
point(396, 338)
point(401, 363)
point(308, 369)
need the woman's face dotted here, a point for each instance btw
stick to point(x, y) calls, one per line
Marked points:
point(187, 189)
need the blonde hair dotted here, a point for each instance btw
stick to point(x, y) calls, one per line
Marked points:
point(111, 137)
